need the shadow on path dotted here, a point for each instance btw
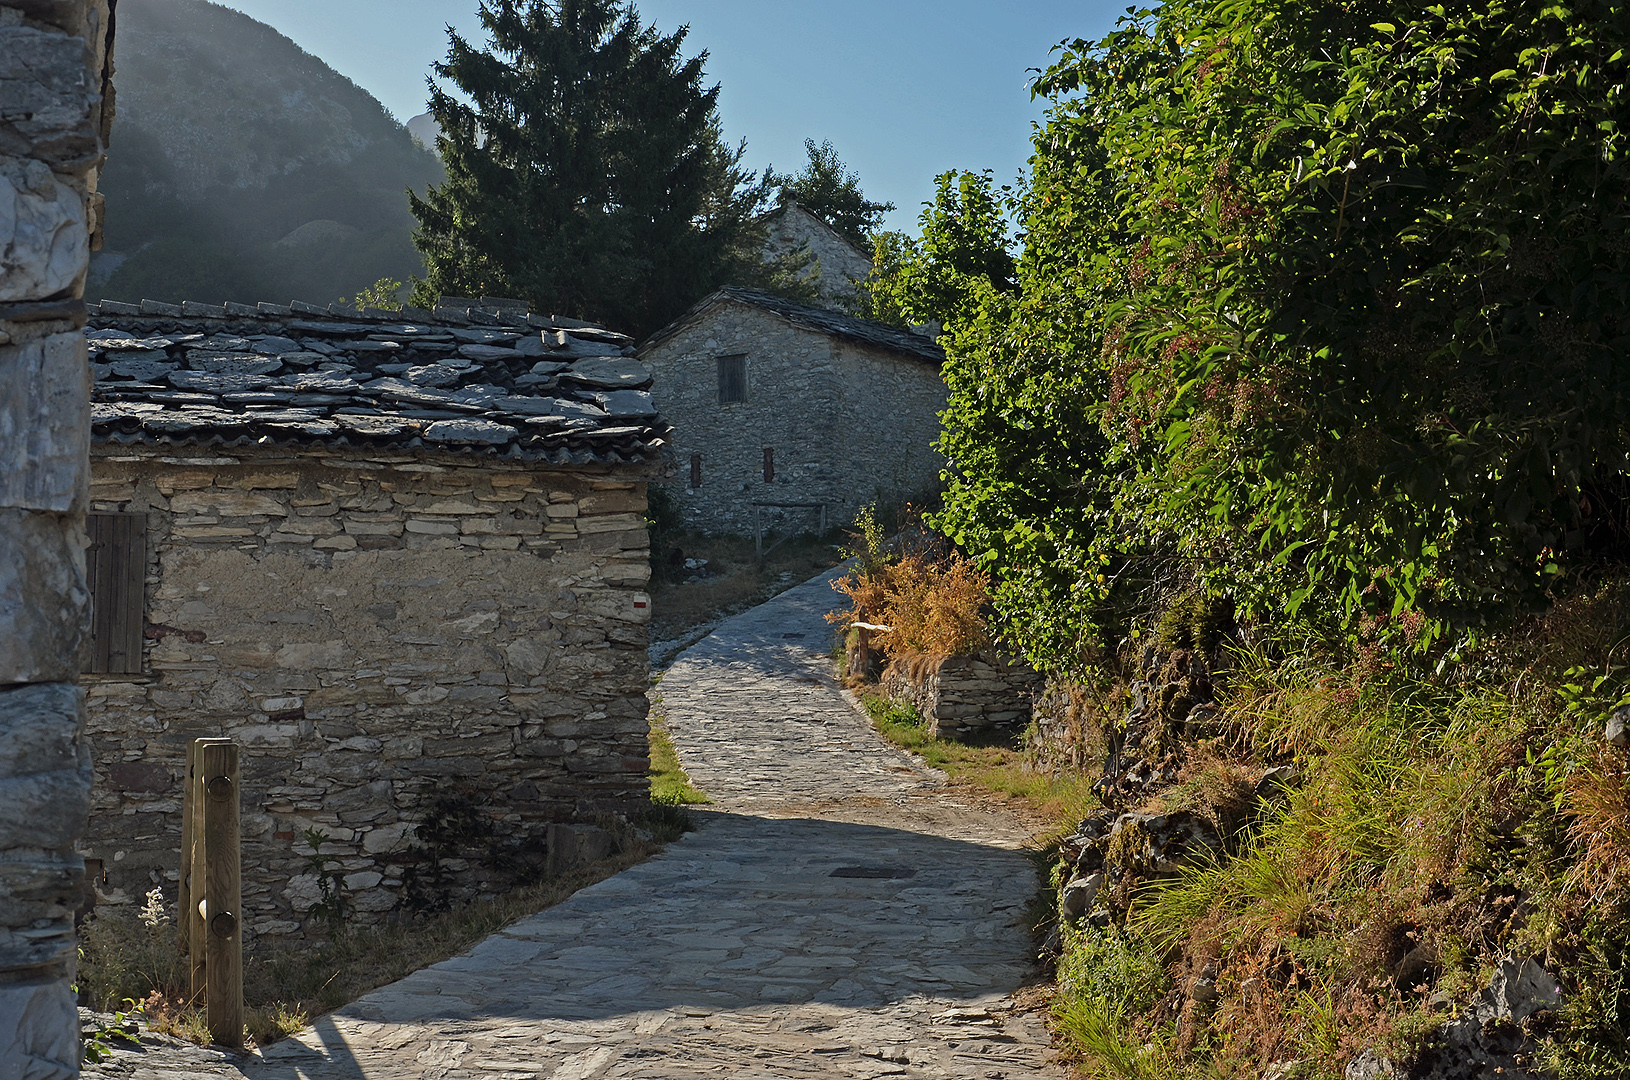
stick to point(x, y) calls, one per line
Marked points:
point(744, 915)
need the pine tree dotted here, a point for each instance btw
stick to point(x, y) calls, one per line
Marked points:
point(587, 174)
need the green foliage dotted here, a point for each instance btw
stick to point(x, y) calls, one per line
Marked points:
point(961, 255)
point(1321, 303)
point(666, 525)
point(334, 904)
point(125, 958)
point(586, 171)
point(671, 786)
point(831, 191)
point(870, 548)
point(124, 1027)
point(1598, 1046)
point(384, 294)
point(1106, 980)
point(1195, 622)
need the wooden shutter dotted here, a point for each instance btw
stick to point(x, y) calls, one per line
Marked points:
point(117, 565)
point(732, 378)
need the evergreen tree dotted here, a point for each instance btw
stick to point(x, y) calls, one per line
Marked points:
point(830, 191)
point(587, 173)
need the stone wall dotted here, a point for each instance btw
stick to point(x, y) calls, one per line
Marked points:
point(839, 265)
point(965, 695)
point(55, 61)
point(847, 423)
point(376, 632)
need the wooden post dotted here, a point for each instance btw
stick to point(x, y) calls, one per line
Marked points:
point(194, 876)
point(215, 891)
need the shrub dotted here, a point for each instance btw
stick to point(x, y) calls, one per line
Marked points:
point(933, 599)
point(1322, 302)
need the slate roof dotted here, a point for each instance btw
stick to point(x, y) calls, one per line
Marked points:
point(473, 377)
point(820, 320)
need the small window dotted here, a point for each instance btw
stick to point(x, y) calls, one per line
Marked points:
point(117, 567)
point(732, 378)
point(769, 464)
point(696, 470)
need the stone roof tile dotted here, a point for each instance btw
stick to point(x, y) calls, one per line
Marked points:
point(820, 320)
point(473, 378)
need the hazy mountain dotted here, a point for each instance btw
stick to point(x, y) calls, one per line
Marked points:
point(244, 168)
point(424, 128)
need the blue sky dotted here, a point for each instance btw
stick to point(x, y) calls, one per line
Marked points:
point(905, 89)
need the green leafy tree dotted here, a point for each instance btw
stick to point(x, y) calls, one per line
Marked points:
point(941, 276)
point(828, 189)
point(1323, 306)
point(586, 171)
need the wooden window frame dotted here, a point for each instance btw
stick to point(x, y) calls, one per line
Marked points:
point(116, 572)
point(732, 378)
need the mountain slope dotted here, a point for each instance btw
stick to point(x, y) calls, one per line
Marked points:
point(243, 168)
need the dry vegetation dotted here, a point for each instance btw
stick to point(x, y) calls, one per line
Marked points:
point(934, 601)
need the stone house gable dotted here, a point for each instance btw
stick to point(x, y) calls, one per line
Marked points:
point(400, 556)
point(790, 229)
point(776, 403)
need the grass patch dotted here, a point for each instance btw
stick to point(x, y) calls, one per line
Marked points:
point(131, 959)
point(670, 785)
point(997, 767)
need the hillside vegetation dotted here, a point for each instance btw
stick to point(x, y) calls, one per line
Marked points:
point(1295, 446)
point(243, 168)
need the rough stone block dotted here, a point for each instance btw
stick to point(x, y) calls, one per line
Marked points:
point(49, 95)
point(44, 602)
point(607, 523)
point(45, 767)
point(572, 846)
point(40, 1040)
point(43, 242)
point(227, 503)
point(44, 416)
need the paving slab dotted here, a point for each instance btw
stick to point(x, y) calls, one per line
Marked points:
point(836, 914)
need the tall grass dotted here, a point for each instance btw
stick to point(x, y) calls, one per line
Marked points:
point(1432, 829)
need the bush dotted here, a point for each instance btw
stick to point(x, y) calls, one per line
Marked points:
point(932, 599)
point(1322, 303)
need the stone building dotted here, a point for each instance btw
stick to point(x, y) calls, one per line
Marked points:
point(56, 109)
point(399, 556)
point(840, 266)
point(784, 411)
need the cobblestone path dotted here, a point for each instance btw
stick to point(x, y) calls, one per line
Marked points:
point(834, 916)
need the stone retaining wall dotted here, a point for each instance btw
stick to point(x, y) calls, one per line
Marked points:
point(965, 695)
point(376, 632)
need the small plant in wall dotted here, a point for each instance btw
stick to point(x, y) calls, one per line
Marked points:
point(333, 905)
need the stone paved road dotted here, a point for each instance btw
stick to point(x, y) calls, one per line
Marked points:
point(835, 916)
